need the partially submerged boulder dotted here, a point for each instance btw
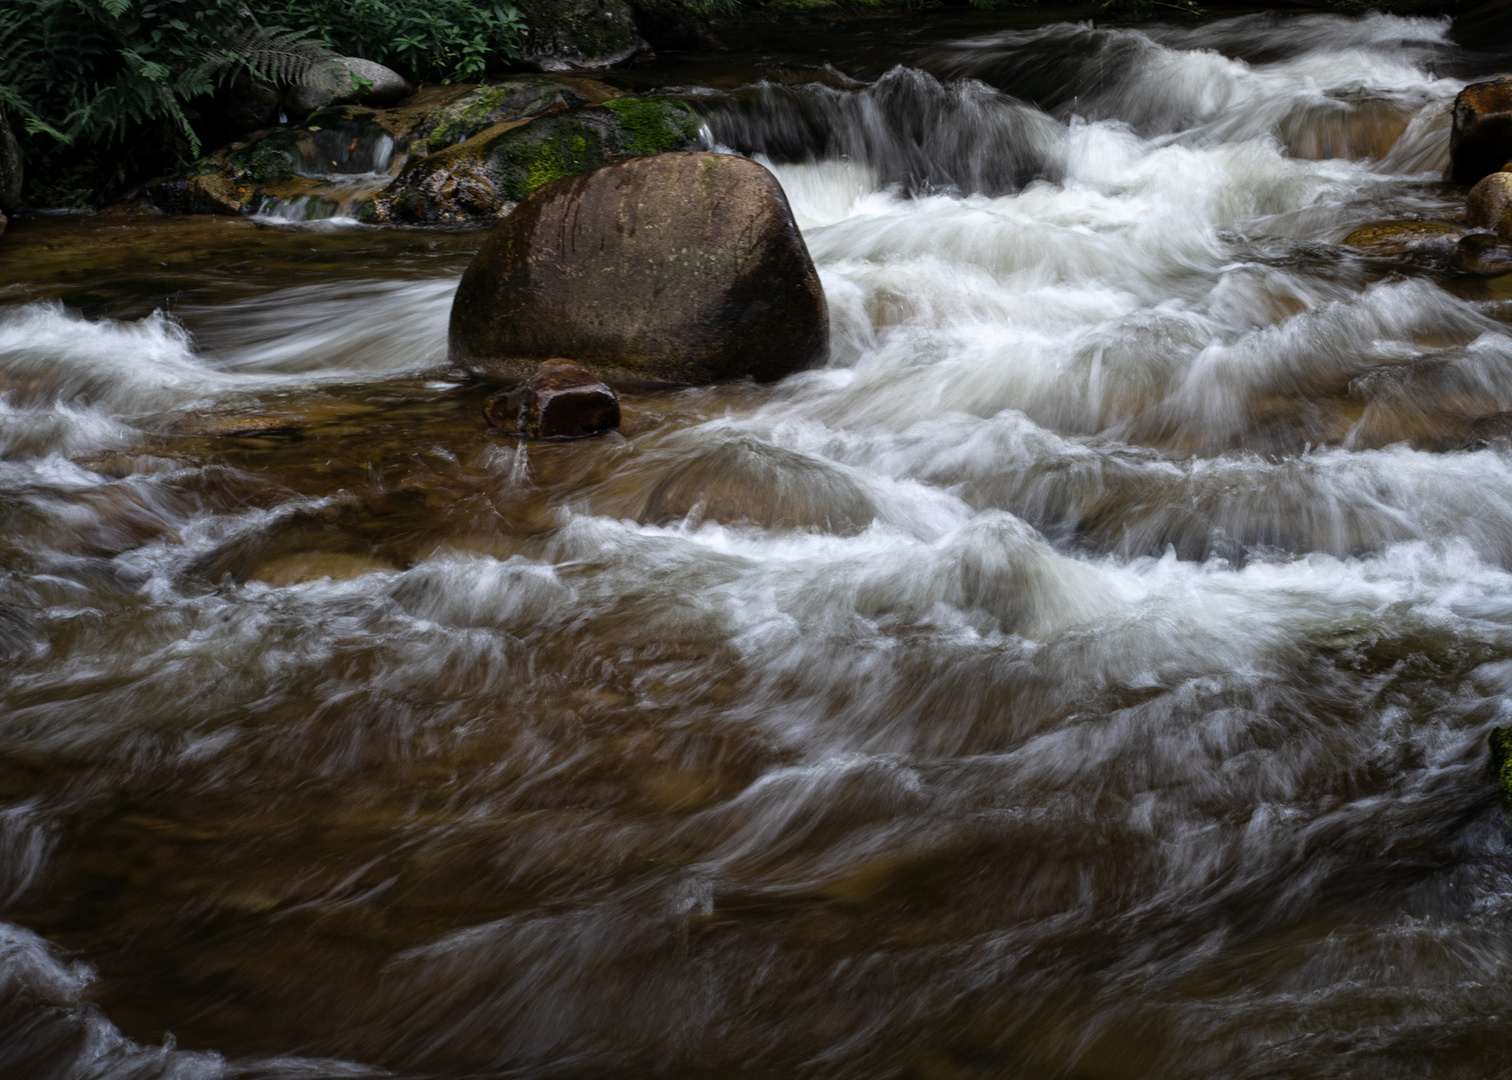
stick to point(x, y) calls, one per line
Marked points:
point(348, 80)
point(1489, 202)
point(674, 270)
point(1435, 239)
point(561, 400)
point(1485, 254)
point(1481, 140)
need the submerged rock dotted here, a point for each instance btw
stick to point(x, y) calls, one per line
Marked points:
point(1485, 254)
point(205, 193)
point(674, 270)
point(1353, 130)
point(749, 480)
point(561, 400)
point(1481, 140)
point(351, 79)
point(1388, 238)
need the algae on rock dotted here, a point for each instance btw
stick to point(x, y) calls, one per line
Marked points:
point(1501, 763)
point(498, 167)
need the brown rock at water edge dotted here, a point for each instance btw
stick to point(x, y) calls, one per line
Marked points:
point(679, 269)
point(1484, 254)
point(1481, 139)
point(1486, 208)
point(561, 400)
point(1435, 238)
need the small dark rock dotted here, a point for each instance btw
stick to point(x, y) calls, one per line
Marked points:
point(559, 401)
point(1484, 254)
point(1481, 139)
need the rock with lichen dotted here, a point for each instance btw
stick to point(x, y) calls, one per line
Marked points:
point(677, 269)
point(1434, 240)
point(448, 155)
point(483, 176)
point(1501, 762)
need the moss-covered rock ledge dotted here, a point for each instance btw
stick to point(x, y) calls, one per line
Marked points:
point(448, 155)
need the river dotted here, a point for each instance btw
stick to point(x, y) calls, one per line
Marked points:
point(1087, 674)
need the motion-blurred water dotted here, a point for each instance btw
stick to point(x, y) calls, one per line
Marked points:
point(1086, 674)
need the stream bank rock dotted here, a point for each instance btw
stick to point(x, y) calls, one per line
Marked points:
point(561, 400)
point(446, 155)
point(1486, 208)
point(490, 172)
point(1481, 139)
point(1485, 254)
point(579, 35)
point(350, 80)
point(680, 269)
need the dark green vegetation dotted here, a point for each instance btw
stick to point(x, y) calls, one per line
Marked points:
point(1501, 762)
point(104, 93)
point(438, 41)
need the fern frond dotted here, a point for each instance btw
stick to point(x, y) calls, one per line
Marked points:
point(278, 55)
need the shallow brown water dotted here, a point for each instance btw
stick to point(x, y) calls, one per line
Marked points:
point(1086, 675)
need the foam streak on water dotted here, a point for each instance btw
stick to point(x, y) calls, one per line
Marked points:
point(1087, 673)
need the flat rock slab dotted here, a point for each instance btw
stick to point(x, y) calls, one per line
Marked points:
point(679, 269)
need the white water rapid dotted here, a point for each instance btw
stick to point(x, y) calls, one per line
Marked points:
point(1087, 673)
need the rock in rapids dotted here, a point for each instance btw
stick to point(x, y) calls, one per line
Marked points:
point(675, 270)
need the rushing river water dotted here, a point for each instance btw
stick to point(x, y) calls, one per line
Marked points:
point(1087, 674)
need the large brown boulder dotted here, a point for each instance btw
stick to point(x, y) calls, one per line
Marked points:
point(674, 270)
point(1481, 140)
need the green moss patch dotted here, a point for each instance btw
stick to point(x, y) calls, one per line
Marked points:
point(1501, 763)
point(653, 125)
point(462, 119)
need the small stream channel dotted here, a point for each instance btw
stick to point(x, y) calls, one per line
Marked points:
point(1087, 674)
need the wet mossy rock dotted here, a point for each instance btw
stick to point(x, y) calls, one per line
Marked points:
point(1480, 141)
point(674, 270)
point(348, 141)
point(1395, 238)
point(477, 179)
point(1501, 763)
point(579, 35)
